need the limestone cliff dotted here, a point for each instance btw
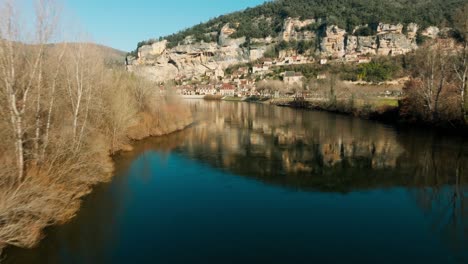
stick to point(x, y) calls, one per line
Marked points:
point(159, 63)
point(388, 40)
point(192, 60)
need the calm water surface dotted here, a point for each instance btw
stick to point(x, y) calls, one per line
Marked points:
point(260, 184)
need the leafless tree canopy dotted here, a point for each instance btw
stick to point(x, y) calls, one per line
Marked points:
point(62, 112)
point(438, 88)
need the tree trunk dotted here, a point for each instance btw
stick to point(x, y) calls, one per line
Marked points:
point(17, 125)
point(38, 118)
point(437, 97)
point(20, 150)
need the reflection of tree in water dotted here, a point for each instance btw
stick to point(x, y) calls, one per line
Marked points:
point(318, 151)
point(295, 149)
point(443, 197)
point(142, 152)
point(88, 235)
point(300, 149)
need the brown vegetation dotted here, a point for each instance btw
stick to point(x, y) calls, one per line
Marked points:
point(63, 113)
point(437, 91)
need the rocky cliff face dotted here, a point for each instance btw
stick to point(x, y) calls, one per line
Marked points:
point(192, 59)
point(388, 41)
point(292, 30)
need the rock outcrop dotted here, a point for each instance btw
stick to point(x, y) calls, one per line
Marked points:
point(155, 49)
point(431, 32)
point(192, 59)
point(293, 29)
point(388, 41)
point(394, 44)
point(333, 42)
point(361, 45)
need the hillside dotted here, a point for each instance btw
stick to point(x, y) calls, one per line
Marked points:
point(287, 32)
point(110, 55)
point(267, 19)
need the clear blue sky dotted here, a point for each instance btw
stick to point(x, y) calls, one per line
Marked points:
point(122, 24)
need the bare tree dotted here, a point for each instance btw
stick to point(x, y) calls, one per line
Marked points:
point(461, 62)
point(269, 87)
point(21, 72)
point(121, 105)
point(61, 111)
point(82, 68)
point(50, 104)
point(46, 21)
point(141, 90)
point(430, 80)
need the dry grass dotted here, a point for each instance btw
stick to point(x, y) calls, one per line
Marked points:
point(51, 191)
point(63, 112)
point(167, 118)
point(51, 194)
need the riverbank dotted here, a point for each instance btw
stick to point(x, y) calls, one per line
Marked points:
point(387, 110)
point(199, 180)
point(42, 201)
point(384, 109)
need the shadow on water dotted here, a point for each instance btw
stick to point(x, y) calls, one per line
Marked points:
point(316, 153)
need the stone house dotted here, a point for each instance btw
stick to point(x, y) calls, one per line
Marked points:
point(206, 90)
point(227, 89)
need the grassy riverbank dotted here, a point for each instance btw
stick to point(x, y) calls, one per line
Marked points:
point(384, 108)
point(388, 110)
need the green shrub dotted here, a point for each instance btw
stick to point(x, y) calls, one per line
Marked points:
point(268, 19)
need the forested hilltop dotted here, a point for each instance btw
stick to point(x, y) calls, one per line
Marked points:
point(268, 19)
point(418, 48)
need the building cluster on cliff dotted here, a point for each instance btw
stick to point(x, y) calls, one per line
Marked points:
point(241, 82)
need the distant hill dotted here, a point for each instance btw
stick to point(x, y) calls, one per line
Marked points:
point(299, 32)
point(111, 55)
point(268, 18)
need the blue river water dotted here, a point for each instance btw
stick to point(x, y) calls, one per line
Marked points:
point(261, 184)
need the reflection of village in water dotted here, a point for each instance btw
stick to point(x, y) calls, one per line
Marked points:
point(317, 151)
point(275, 143)
point(264, 141)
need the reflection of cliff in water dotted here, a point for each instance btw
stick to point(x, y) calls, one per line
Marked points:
point(310, 151)
point(314, 150)
point(333, 153)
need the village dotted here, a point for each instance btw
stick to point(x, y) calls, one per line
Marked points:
point(226, 69)
point(243, 81)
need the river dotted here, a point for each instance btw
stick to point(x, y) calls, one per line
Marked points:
point(253, 183)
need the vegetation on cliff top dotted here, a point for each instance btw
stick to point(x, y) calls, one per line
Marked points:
point(268, 18)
